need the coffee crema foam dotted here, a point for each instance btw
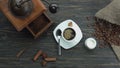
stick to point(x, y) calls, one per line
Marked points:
point(69, 34)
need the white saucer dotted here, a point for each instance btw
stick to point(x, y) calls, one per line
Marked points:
point(62, 26)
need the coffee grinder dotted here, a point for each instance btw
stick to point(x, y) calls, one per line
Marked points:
point(21, 8)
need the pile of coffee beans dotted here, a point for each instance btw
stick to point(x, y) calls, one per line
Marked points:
point(108, 32)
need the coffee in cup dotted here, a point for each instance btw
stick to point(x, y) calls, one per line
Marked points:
point(69, 34)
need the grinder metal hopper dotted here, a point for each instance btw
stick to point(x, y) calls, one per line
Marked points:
point(21, 23)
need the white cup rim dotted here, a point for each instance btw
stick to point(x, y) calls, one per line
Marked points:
point(64, 37)
point(94, 44)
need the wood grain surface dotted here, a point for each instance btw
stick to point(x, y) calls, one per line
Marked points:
point(11, 41)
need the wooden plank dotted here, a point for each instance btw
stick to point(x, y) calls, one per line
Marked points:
point(78, 57)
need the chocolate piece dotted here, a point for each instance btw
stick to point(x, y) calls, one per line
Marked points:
point(70, 24)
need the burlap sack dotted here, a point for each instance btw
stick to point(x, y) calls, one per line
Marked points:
point(110, 13)
point(109, 32)
point(107, 23)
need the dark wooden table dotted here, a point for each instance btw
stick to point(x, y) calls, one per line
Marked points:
point(11, 41)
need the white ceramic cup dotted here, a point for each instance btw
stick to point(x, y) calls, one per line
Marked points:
point(90, 43)
point(65, 38)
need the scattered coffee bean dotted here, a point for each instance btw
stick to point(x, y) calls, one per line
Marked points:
point(20, 52)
